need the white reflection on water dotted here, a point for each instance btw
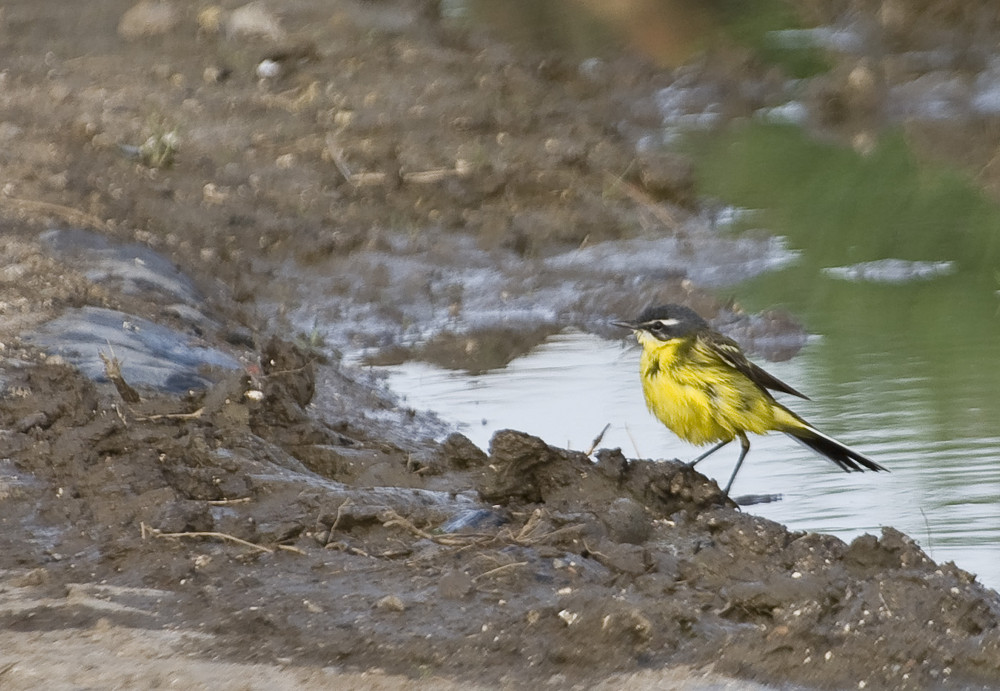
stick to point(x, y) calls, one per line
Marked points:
point(944, 494)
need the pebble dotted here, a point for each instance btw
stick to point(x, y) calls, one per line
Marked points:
point(455, 585)
point(626, 521)
point(210, 19)
point(269, 69)
point(391, 603)
point(148, 18)
point(254, 20)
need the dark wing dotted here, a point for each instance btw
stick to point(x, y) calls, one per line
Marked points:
point(731, 353)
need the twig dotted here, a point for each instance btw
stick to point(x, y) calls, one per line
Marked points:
point(227, 502)
point(66, 213)
point(356, 179)
point(505, 567)
point(337, 156)
point(643, 199)
point(927, 527)
point(390, 519)
point(526, 537)
point(113, 370)
point(342, 546)
point(366, 179)
point(529, 525)
point(147, 530)
point(597, 440)
point(885, 604)
point(120, 414)
point(173, 416)
point(635, 446)
point(336, 521)
point(559, 532)
point(430, 176)
point(594, 552)
point(340, 511)
point(293, 370)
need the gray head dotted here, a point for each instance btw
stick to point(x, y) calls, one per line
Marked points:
point(666, 322)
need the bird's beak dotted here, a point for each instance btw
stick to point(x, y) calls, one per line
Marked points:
point(625, 325)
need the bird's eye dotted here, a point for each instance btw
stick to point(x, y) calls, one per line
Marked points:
point(661, 327)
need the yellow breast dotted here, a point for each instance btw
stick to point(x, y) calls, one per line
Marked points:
point(698, 396)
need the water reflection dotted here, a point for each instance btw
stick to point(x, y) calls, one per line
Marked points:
point(938, 335)
point(667, 31)
point(944, 492)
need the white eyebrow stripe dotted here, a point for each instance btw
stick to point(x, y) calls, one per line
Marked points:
point(669, 322)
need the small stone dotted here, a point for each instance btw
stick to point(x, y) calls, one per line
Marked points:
point(254, 20)
point(455, 585)
point(568, 617)
point(268, 69)
point(210, 19)
point(390, 603)
point(214, 74)
point(626, 521)
point(148, 18)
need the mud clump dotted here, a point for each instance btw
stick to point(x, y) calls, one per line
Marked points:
point(523, 468)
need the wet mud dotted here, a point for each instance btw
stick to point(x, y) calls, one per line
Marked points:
point(191, 472)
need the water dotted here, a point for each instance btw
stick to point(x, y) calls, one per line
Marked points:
point(894, 272)
point(942, 491)
point(893, 264)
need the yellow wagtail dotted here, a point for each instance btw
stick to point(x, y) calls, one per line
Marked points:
point(703, 388)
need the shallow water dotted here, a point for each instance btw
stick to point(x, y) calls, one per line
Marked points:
point(945, 493)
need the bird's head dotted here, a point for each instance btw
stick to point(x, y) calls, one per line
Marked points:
point(664, 323)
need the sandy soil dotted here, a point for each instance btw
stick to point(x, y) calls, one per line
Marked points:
point(277, 520)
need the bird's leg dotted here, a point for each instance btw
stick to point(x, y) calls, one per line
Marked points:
point(708, 453)
point(745, 443)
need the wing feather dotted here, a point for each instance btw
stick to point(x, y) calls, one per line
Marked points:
point(730, 352)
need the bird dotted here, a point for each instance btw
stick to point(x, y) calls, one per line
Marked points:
point(701, 385)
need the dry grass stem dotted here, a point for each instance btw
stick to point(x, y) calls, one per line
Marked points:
point(68, 214)
point(228, 502)
point(505, 567)
point(391, 519)
point(113, 371)
point(597, 439)
point(425, 177)
point(147, 531)
point(173, 416)
point(644, 200)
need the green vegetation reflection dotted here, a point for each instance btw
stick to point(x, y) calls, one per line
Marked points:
point(935, 341)
point(668, 32)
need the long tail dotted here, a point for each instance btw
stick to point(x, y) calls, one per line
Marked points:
point(844, 456)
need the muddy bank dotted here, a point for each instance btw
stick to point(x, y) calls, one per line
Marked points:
point(201, 517)
point(242, 495)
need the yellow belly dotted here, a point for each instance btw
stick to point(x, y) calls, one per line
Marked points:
point(707, 402)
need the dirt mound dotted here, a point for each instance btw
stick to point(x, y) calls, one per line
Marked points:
point(554, 565)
